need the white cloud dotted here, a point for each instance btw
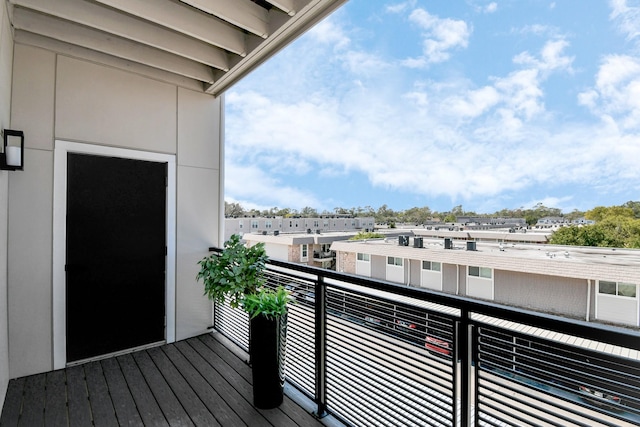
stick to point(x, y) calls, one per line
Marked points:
point(254, 187)
point(447, 137)
point(626, 17)
point(615, 96)
point(441, 35)
point(328, 32)
point(401, 7)
point(491, 7)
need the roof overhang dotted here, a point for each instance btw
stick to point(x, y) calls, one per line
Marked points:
point(201, 44)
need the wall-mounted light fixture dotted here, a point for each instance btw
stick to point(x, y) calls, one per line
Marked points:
point(12, 156)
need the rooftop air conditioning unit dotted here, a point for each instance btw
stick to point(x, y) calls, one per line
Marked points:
point(276, 232)
point(471, 246)
point(403, 240)
point(417, 242)
point(447, 243)
point(318, 231)
point(308, 231)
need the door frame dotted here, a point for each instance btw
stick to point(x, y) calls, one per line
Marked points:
point(60, 236)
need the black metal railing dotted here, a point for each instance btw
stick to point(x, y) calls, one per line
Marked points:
point(370, 352)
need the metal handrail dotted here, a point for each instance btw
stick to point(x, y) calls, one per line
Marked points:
point(475, 371)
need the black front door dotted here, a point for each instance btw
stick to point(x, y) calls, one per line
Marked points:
point(116, 247)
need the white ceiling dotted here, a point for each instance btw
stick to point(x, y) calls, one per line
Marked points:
point(202, 44)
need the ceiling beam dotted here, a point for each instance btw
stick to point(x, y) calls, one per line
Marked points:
point(306, 18)
point(290, 7)
point(185, 20)
point(73, 51)
point(68, 32)
point(242, 13)
point(126, 26)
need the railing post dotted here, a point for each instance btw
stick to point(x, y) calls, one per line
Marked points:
point(321, 347)
point(462, 357)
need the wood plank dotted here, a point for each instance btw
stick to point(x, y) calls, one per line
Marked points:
point(231, 359)
point(199, 413)
point(101, 407)
point(79, 407)
point(12, 402)
point(122, 400)
point(292, 409)
point(33, 403)
point(148, 408)
point(210, 397)
point(167, 400)
point(55, 410)
point(210, 359)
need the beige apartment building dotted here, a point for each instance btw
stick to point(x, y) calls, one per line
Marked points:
point(313, 249)
point(593, 284)
point(279, 224)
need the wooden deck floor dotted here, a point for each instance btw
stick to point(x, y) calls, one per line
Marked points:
point(196, 382)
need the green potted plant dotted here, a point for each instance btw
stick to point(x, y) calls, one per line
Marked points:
point(237, 273)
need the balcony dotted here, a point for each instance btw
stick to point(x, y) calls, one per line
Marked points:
point(361, 352)
point(197, 382)
point(320, 256)
point(370, 352)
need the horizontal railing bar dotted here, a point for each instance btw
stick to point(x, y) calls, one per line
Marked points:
point(401, 353)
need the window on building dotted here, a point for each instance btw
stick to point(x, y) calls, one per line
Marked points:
point(268, 224)
point(363, 257)
point(392, 260)
point(240, 224)
point(480, 272)
point(254, 224)
point(430, 265)
point(304, 252)
point(316, 223)
point(620, 289)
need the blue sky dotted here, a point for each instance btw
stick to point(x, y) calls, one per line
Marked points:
point(484, 104)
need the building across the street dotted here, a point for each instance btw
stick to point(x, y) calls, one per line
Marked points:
point(279, 224)
point(313, 249)
point(594, 284)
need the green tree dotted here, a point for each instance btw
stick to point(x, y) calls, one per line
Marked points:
point(385, 215)
point(612, 231)
point(309, 212)
point(449, 218)
point(417, 215)
point(233, 209)
point(634, 206)
point(599, 213)
point(362, 235)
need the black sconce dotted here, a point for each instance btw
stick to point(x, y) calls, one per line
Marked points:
point(12, 156)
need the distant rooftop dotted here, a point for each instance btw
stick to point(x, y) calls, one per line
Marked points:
point(564, 261)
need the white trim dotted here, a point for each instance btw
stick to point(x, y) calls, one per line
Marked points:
point(60, 232)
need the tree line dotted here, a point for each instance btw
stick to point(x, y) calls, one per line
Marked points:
point(422, 215)
point(615, 226)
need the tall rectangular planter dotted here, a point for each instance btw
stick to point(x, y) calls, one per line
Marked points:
point(268, 354)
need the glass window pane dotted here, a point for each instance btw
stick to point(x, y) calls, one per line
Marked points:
point(435, 266)
point(390, 260)
point(627, 290)
point(485, 272)
point(399, 261)
point(607, 287)
point(426, 265)
point(474, 271)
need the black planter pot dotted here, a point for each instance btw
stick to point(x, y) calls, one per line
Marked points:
point(267, 350)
